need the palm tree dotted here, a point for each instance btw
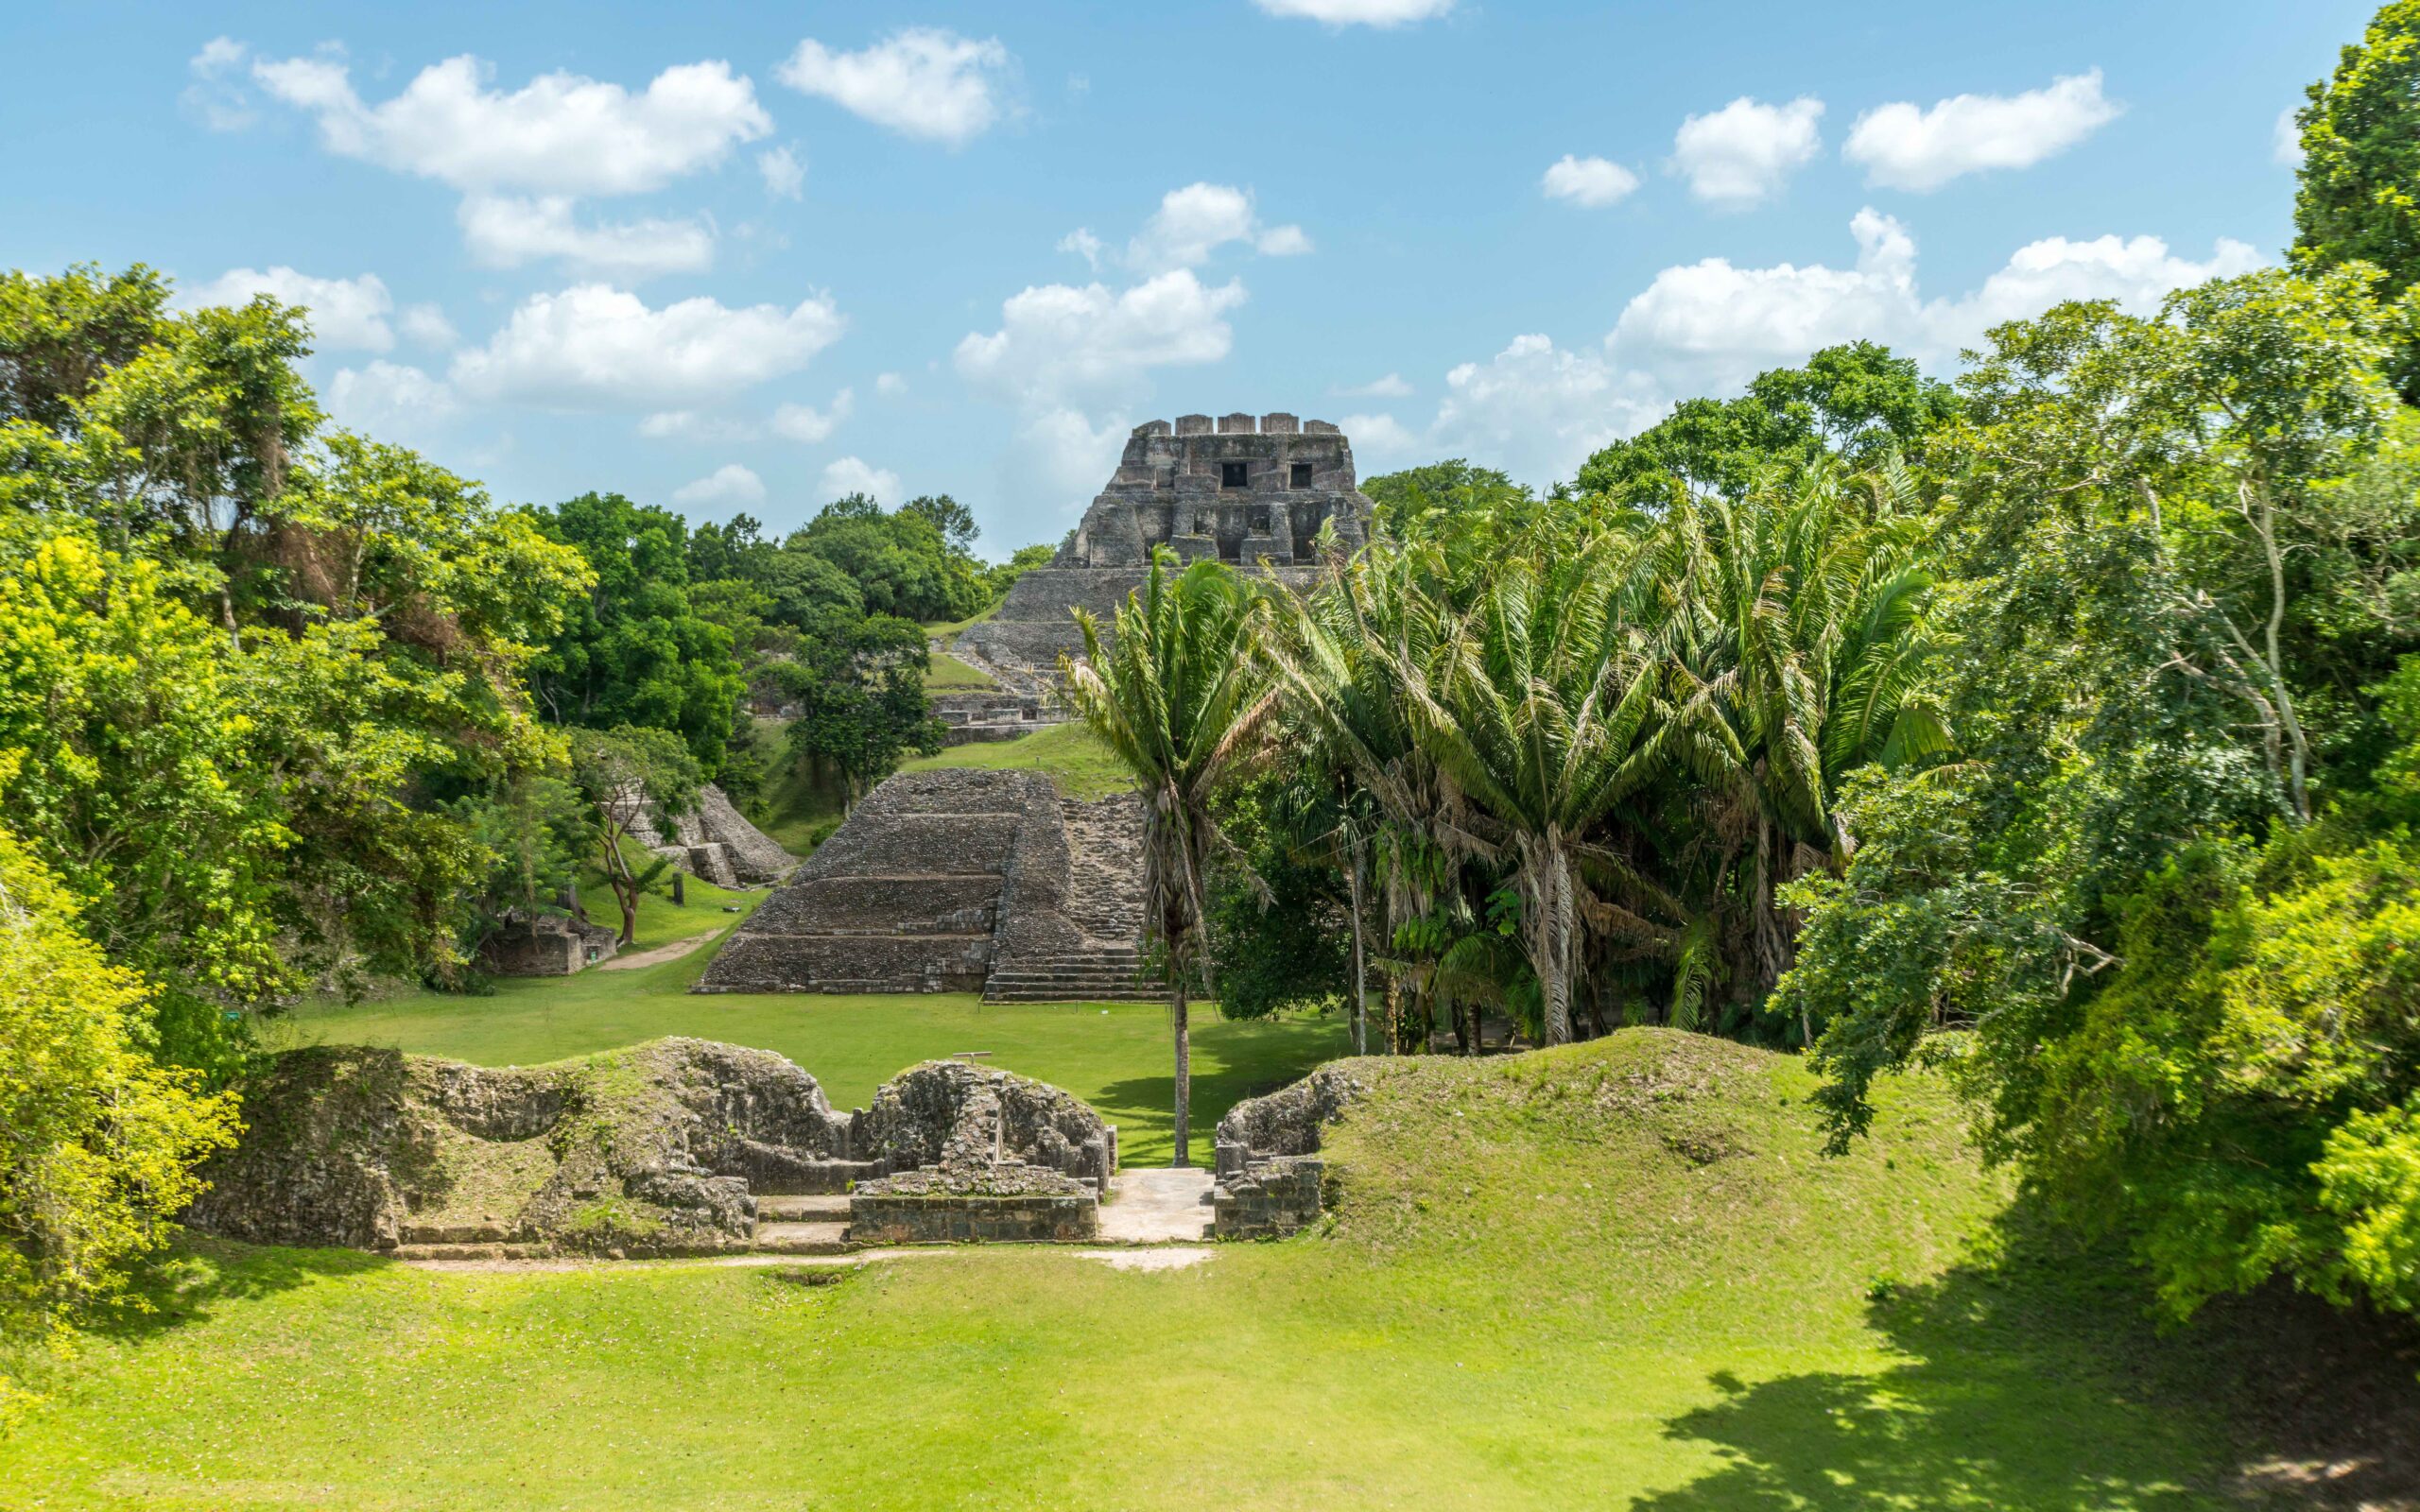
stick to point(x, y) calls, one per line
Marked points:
point(1542, 713)
point(1179, 699)
point(1801, 641)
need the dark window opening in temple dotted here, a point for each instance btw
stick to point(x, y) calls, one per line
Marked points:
point(1260, 521)
point(1231, 548)
point(1234, 476)
point(1300, 476)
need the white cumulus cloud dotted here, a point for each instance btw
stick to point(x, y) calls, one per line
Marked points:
point(1195, 221)
point(1589, 181)
point(889, 385)
point(1058, 341)
point(728, 485)
point(783, 173)
point(559, 134)
point(805, 423)
point(217, 94)
point(346, 313)
point(390, 400)
point(1906, 148)
point(1391, 386)
point(850, 474)
point(1381, 444)
point(503, 231)
point(2286, 138)
point(425, 325)
point(595, 347)
point(922, 81)
point(1742, 154)
point(1537, 409)
point(1358, 13)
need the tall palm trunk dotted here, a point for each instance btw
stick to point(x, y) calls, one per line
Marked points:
point(1184, 1072)
point(1550, 915)
point(1360, 987)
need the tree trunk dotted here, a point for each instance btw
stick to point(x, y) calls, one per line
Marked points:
point(1183, 1071)
point(1360, 990)
point(1550, 938)
point(679, 892)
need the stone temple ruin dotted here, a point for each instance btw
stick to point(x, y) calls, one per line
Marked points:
point(714, 842)
point(988, 881)
point(1246, 491)
point(956, 881)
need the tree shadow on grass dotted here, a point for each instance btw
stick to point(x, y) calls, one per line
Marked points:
point(2039, 1380)
point(192, 1279)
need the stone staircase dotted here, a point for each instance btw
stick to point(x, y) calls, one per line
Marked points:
point(1104, 902)
point(1111, 973)
point(801, 1225)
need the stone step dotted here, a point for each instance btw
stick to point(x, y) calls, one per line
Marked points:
point(801, 1238)
point(826, 1208)
point(1102, 995)
point(810, 1179)
point(480, 1252)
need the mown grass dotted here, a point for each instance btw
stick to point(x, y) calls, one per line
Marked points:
point(946, 671)
point(1618, 1275)
point(1068, 754)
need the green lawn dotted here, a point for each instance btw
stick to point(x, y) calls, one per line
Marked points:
point(1068, 753)
point(1116, 1057)
point(1613, 1275)
point(946, 671)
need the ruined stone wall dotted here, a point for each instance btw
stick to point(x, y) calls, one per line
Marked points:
point(652, 1151)
point(1269, 1176)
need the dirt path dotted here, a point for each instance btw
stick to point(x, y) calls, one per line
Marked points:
point(660, 955)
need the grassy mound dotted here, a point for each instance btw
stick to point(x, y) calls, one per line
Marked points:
point(1613, 1275)
point(1067, 754)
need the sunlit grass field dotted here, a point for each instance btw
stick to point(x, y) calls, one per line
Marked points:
point(1612, 1275)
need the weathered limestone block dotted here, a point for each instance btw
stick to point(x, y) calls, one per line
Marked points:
point(1267, 1173)
point(1270, 1198)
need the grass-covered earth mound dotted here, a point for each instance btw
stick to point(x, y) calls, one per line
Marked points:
point(1618, 1275)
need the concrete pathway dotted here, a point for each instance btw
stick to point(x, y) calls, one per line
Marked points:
point(1153, 1206)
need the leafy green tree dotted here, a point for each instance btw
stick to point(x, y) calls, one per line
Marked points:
point(626, 774)
point(372, 615)
point(1854, 402)
point(1002, 576)
point(901, 563)
point(98, 1143)
point(125, 762)
point(951, 521)
point(862, 708)
point(1179, 700)
point(2361, 142)
point(636, 652)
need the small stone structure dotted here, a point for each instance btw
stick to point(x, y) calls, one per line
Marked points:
point(959, 881)
point(535, 944)
point(1269, 1173)
point(714, 842)
point(1249, 490)
point(978, 1154)
point(658, 1150)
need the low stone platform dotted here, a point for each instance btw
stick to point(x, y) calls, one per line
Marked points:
point(957, 881)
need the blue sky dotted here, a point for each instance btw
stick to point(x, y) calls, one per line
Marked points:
point(728, 256)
